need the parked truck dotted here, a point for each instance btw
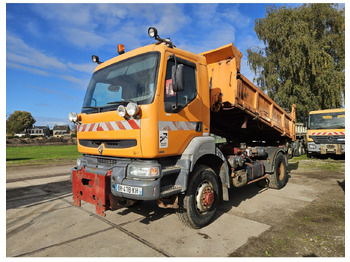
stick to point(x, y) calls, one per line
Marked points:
point(145, 132)
point(300, 143)
point(326, 132)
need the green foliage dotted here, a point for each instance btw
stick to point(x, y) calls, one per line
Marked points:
point(303, 61)
point(18, 122)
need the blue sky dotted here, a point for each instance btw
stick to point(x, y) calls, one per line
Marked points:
point(49, 46)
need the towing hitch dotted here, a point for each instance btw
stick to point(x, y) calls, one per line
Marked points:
point(92, 188)
point(96, 189)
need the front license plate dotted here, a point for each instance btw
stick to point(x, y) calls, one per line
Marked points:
point(129, 189)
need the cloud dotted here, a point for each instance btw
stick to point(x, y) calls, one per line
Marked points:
point(237, 18)
point(84, 38)
point(71, 79)
point(250, 41)
point(206, 14)
point(72, 15)
point(18, 52)
point(20, 55)
point(46, 90)
point(26, 68)
point(172, 18)
point(84, 68)
point(214, 39)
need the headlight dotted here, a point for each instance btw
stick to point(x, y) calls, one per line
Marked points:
point(312, 146)
point(121, 111)
point(144, 172)
point(73, 117)
point(132, 109)
point(152, 32)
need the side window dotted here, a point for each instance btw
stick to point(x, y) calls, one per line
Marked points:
point(184, 97)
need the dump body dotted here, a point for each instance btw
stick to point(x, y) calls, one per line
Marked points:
point(247, 113)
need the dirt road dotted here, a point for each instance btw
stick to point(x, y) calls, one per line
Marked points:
point(306, 218)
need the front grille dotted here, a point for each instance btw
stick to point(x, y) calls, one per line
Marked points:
point(107, 161)
point(94, 161)
point(328, 139)
point(122, 143)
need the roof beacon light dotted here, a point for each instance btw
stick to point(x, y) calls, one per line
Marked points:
point(121, 49)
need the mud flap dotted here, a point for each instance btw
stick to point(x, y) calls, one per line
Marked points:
point(92, 188)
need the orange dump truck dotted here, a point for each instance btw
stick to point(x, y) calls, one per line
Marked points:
point(145, 132)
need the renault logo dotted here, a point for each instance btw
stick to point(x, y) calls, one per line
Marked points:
point(100, 149)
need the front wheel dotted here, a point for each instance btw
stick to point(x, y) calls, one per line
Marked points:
point(198, 206)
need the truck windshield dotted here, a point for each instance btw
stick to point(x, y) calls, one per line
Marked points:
point(327, 121)
point(133, 79)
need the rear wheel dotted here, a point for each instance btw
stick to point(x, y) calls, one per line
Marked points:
point(280, 176)
point(198, 206)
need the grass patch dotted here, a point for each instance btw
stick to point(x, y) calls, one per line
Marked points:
point(302, 157)
point(40, 154)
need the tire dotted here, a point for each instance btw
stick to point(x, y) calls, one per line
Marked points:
point(280, 176)
point(200, 202)
point(297, 148)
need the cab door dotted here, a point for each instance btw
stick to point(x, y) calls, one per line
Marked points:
point(180, 113)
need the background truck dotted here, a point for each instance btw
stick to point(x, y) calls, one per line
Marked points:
point(300, 143)
point(326, 132)
point(145, 132)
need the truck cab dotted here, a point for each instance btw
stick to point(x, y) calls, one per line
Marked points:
point(326, 132)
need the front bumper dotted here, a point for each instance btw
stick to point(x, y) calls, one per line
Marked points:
point(96, 183)
point(338, 149)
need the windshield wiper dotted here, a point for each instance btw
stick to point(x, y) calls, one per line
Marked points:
point(116, 102)
point(120, 102)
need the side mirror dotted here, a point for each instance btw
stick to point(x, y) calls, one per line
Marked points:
point(178, 79)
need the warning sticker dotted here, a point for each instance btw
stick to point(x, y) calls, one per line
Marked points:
point(163, 139)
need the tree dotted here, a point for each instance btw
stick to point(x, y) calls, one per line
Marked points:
point(18, 122)
point(303, 61)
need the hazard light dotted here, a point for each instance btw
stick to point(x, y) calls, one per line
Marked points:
point(121, 49)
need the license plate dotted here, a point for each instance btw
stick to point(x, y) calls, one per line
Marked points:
point(129, 189)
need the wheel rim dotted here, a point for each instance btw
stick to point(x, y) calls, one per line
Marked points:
point(205, 197)
point(281, 170)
